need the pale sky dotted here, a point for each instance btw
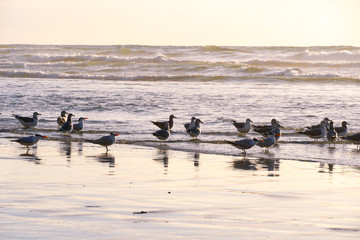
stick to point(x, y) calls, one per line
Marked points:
point(181, 22)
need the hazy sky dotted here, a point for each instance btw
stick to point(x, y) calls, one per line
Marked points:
point(181, 22)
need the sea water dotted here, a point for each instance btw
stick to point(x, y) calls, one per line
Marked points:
point(122, 89)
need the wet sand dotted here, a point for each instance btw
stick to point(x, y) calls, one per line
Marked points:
point(63, 190)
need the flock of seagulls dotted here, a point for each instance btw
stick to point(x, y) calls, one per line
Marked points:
point(271, 133)
point(65, 125)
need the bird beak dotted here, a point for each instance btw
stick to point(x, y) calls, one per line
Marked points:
point(85, 118)
point(44, 136)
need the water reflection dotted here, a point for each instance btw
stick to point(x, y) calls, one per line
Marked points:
point(326, 168)
point(267, 164)
point(162, 156)
point(195, 157)
point(31, 157)
point(66, 148)
point(107, 158)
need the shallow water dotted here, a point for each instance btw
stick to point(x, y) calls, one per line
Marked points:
point(74, 190)
point(122, 88)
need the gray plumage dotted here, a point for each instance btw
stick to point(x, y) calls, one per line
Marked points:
point(196, 130)
point(267, 142)
point(105, 141)
point(28, 121)
point(244, 143)
point(191, 124)
point(331, 134)
point(162, 125)
point(243, 127)
point(354, 138)
point(342, 131)
point(67, 127)
point(264, 130)
point(80, 125)
point(162, 134)
point(316, 133)
point(29, 141)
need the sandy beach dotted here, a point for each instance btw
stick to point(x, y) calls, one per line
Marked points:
point(73, 190)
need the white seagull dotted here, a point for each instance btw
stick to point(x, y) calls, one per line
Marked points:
point(243, 127)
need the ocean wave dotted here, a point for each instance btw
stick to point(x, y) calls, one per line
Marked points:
point(57, 75)
point(342, 55)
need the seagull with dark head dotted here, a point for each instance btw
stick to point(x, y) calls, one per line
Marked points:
point(29, 141)
point(62, 119)
point(162, 125)
point(80, 125)
point(68, 126)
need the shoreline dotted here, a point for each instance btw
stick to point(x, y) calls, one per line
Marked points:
point(65, 190)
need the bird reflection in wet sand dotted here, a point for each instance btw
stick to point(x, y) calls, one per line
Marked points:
point(162, 156)
point(107, 158)
point(254, 165)
point(196, 159)
point(31, 157)
point(244, 164)
point(66, 148)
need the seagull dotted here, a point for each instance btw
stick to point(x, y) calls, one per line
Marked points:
point(191, 124)
point(162, 125)
point(244, 143)
point(355, 139)
point(67, 127)
point(327, 120)
point(243, 127)
point(29, 141)
point(163, 134)
point(28, 121)
point(331, 134)
point(342, 131)
point(196, 130)
point(316, 133)
point(62, 119)
point(267, 142)
point(105, 141)
point(276, 131)
point(79, 126)
point(266, 129)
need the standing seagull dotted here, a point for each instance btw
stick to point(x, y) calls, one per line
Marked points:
point(327, 121)
point(196, 130)
point(62, 119)
point(105, 141)
point(243, 127)
point(162, 125)
point(342, 131)
point(29, 141)
point(67, 127)
point(28, 121)
point(316, 133)
point(266, 129)
point(191, 124)
point(267, 142)
point(163, 134)
point(79, 126)
point(244, 143)
point(331, 134)
point(355, 139)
